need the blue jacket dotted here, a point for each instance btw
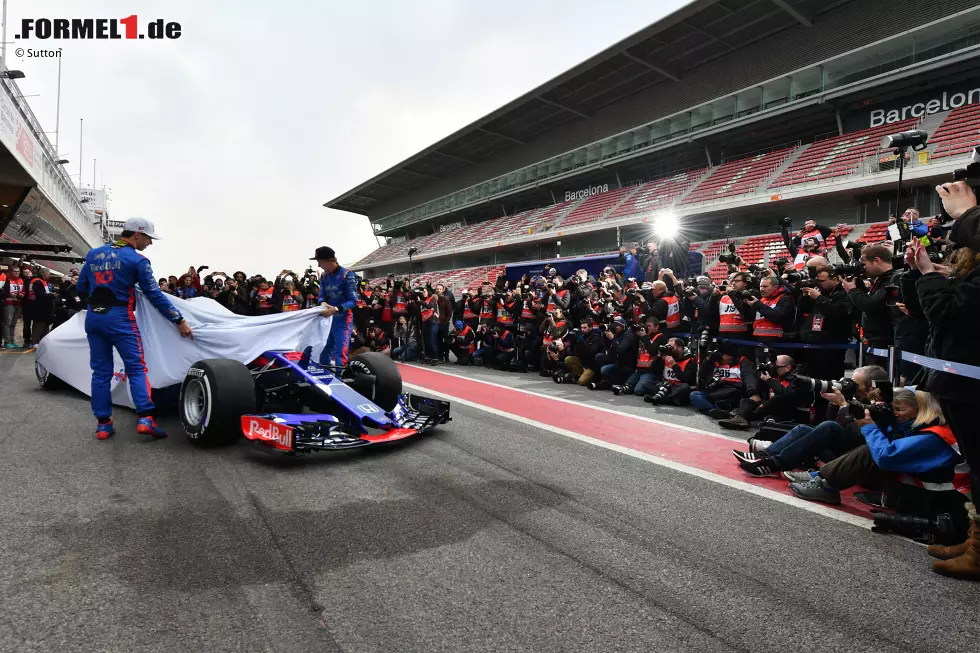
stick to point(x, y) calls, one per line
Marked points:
point(339, 289)
point(631, 269)
point(915, 453)
point(120, 268)
point(918, 229)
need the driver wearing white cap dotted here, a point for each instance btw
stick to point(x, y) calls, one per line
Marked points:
point(108, 283)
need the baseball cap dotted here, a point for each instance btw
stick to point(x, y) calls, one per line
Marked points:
point(142, 226)
point(323, 253)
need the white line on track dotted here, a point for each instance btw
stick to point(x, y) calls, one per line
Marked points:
point(817, 508)
point(692, 429)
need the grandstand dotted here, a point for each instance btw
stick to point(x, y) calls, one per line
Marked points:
point(714, 114)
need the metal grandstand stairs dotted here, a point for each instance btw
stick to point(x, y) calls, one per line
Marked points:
point(782, 167)
point(631, 193)
point(690, 189)
point(565, 212)
point(931, 123)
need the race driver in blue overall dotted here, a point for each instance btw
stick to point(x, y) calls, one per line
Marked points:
point(108, 282)
point(338, 296)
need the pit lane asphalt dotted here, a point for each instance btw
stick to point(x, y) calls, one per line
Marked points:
point(485, 536)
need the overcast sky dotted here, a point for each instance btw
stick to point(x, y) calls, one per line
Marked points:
point(233, 136)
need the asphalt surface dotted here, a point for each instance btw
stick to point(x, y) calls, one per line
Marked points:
point(485, 536)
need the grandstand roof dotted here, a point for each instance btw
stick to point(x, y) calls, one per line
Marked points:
point(658, 54)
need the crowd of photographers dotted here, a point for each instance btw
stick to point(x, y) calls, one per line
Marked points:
point(767, 346)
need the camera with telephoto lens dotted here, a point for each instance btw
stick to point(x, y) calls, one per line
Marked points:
point(847, 387)
point(849, 271)
point(744, 294)
point(794, 277)
point(731, 257)
point(665, 350)
point(809, 283)
point(563, 377)
point(941, 529)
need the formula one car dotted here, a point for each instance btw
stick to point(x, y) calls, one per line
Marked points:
point(358, 405)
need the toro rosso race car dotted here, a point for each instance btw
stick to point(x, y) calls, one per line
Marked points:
point(358, 405)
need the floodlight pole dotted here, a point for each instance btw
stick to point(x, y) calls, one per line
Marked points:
point(900, 151)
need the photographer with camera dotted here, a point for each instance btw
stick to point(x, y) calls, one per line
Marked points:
point(908, 456)
point(649, 360)
point(951, 304)
point(466, 308)
point(837, 434)
point(398, 302)
point(616, 363)
point(583, 345)
point(734, 317)
point(774, 311)
point(405, 340)
point(504, 347)
point(554, 331)
point(810, 241)
point(783, 401)
point(723, 376)
point(464, 343)
point(664, 304)
point(877, 321)
point(701, 307)
point(826, 319)
point(679, 375)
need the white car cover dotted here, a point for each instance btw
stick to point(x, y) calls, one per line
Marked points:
point(218, 333)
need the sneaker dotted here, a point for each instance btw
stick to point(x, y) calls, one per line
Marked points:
point(652, 399)
point(797, 477)
point(593, 385)
point(104, 431)
point(148, 426)
point(718, 413)
point(620, 389)
point(758, 446)
point(748, 456)
point(761, 468)
point(816, 489)
point(10, 345)
point(735, 422)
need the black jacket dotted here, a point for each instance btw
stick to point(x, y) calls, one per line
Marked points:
point(623, 349)
point(827, 318)
point(952, 307)
point(875, 316)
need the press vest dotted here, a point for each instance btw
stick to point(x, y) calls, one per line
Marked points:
point(265, 298)
point(503, 315)
point(291, 302)
point(763, 326)
point(942, 480)
point(30, 293)
point(16, 286)
point(461, 335)
point(730, 319)
point(673, 311)
point(670, 376)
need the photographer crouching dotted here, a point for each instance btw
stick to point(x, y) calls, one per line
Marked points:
point(649, 360)
point(784, 401)
point(616, 363)
point(723, 377)
point(679, 375)
point(833, 437)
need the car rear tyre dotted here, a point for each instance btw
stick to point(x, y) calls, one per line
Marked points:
point(213, 397)
point(46, 379)
point(387, 384)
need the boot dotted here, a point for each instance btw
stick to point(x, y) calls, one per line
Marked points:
point(967, 565)
point(941, 552)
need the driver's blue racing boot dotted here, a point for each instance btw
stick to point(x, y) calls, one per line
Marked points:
point(105, 431)
point(148, 426)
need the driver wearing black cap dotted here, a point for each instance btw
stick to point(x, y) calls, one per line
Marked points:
point(338, 297)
